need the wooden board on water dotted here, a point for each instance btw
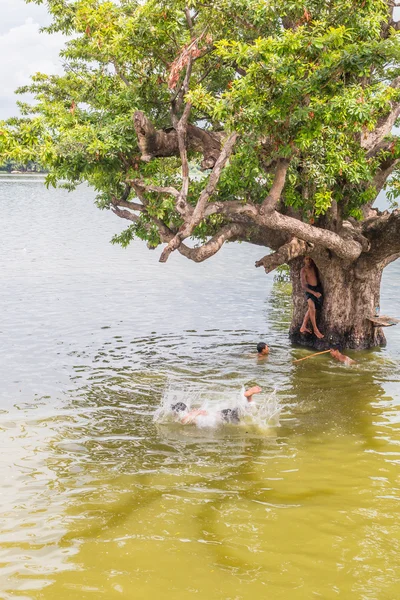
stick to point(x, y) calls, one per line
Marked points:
point(383, 321)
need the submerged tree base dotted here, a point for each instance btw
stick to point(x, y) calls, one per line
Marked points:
point(333, 339)
point(351, 295)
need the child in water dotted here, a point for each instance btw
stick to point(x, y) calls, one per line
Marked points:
point(335, 353)
point(262, 350)
point(227, 415)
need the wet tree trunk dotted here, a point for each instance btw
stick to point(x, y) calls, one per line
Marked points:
point(351, 294)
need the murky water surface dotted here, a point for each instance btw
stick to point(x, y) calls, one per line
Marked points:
point(99, 501)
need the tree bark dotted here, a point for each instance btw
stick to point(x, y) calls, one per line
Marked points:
point(155, 143)
point(351, 294)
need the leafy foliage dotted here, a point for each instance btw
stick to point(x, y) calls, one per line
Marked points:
point(305, 81)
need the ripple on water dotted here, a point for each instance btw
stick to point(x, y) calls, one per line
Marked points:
point(99, 500)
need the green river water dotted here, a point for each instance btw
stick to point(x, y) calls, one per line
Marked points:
point(99, 501)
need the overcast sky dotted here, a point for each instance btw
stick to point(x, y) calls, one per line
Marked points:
point(23, 50)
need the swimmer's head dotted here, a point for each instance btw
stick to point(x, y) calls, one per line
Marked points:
point(230, 415)
point(178, 407)
point(336, 349)
point(262, 348)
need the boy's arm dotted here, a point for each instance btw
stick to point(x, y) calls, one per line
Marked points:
point(251, 391)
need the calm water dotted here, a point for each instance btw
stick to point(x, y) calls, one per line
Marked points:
point(98, 501)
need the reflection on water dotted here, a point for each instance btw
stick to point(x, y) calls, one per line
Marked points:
point(98, 500)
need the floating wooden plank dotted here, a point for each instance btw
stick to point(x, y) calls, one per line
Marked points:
point(383, 321)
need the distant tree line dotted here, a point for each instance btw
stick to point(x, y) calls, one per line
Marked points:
point(31, 167)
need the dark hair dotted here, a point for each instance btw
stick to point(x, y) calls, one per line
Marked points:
point(261, 346)
point(337, 347)
point(230, 415)
point(178, 407)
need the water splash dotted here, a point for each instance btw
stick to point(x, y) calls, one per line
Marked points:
point(263, 412)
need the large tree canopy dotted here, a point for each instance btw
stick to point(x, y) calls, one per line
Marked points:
point(269, 121)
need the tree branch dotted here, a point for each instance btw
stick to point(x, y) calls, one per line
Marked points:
point(128, 204)
point(138, 183)
point(286, 253)
point(120, 73)
point(344, 247)
point(155, 143)
point(390, 259)
point(189, 20)
point(198, 214)
point(385, 170)
point(384, 126)
point(125, 214)
point(232, 209)
point(277, 187)
point(181, 130)
point(213, 245)
point(383, 232)
point(347, 245)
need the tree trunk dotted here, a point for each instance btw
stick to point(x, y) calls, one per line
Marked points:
point(351, 294)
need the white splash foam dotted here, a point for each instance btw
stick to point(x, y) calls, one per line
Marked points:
point(263, 412)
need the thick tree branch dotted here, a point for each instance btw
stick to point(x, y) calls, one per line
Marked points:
point(155, 143)
point(348, 244)
point(233, 209)
point(275, 192)
point(385, 170)
point(213, 245)
point(288, 252)
point(390, 259)
point(348, 249)
point(383, 232)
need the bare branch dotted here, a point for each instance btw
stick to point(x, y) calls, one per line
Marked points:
point(154, 188)
point(286, 253)
point(213, 245)
point(213, 180)
point(198, 214)
point(130, 205)
point(381, 176)
point(344, 248)
point(125, 214)
point(123, 201)
point(181, 130)
point(232, 209)
point(277, 187)
point(189, 20)
point(383, 232)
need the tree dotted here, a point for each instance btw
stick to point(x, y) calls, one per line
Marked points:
point(234, 120)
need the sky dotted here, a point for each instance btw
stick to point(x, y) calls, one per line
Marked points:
point(24, 50)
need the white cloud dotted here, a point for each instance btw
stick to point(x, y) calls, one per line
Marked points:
point(15, 12)
point(24, 51)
